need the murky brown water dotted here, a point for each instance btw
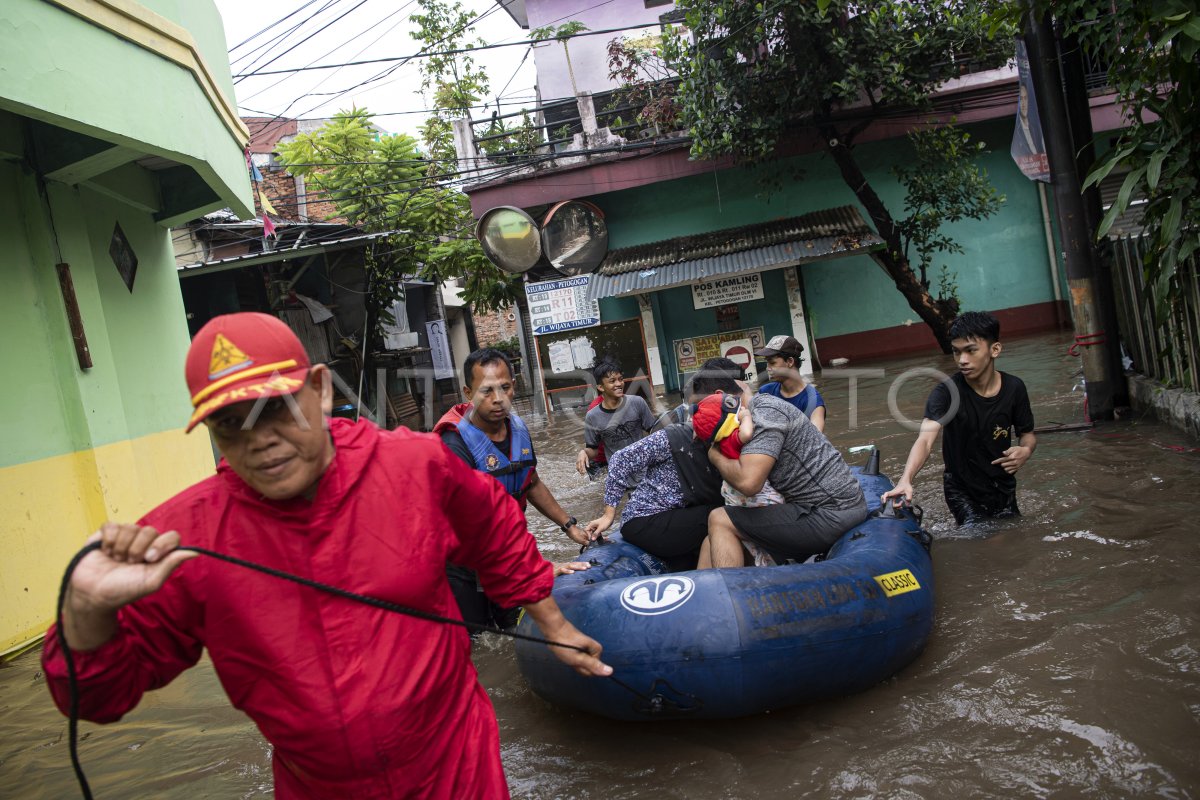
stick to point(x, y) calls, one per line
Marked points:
point(1065, 660)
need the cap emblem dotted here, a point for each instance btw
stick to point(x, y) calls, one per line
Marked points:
point(226, 358)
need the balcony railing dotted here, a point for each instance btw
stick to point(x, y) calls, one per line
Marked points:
point(504, 142)
point(568, 130)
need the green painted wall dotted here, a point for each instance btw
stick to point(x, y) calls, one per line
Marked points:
point(60, 69)
point(137, 340)
point(32, 425)
point(613, 309)
point(1005, 263)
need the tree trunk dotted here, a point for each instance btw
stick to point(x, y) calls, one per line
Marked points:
point(935, 313)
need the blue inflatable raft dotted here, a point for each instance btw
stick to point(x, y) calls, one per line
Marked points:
point(712, 644)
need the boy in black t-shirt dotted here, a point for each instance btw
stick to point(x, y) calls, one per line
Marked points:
point(980, 408)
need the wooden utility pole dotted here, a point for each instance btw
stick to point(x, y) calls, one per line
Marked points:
point(1091, 300)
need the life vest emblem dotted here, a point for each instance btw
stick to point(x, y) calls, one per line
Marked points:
point(491, 462)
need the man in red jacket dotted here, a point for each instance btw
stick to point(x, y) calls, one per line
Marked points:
point(357, 701)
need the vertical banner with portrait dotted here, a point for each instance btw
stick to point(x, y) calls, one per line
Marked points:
point(439, 349)
point(1028, 145)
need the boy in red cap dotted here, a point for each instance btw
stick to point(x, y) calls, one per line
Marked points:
point(720, 421)
point(356, 701)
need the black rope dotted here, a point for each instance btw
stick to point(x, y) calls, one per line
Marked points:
point(72, 679)
point(72, 684)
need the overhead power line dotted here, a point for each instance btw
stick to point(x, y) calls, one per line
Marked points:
point(390, 59)
point(278, 56)
point(282, 19)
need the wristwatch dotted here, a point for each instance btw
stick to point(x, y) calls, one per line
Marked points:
point(570, 523)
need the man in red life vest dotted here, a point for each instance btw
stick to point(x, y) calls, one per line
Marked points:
point(357, 701)
point(490, 438)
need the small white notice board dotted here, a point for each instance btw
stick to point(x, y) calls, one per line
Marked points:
point(727, 289)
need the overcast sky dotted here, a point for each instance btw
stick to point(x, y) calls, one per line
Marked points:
point(336, 31)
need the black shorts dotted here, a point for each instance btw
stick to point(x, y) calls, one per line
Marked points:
point(790, 530)
point(674, 536)
point(968, 510)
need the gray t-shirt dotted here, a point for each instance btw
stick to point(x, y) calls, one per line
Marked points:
point(620, 427)
point(808, 469)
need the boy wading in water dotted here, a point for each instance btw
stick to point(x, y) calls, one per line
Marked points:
point(980, 408)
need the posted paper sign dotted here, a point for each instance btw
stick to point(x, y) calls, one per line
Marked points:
point(727, 290)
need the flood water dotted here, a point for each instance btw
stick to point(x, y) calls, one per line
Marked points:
point(1064, 661)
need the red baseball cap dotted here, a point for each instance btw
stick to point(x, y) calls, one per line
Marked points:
point(245, 356)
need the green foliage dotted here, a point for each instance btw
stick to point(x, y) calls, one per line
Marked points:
point(645, 83)
point(381, 184)
point(944, 185)
point(1152, 50)
point(516, 140)
point(753, 73)
point(754, 70)
point(451, 83)
point(510, 346)
point(1154, 67)
point(562, 132)
point(563, 34)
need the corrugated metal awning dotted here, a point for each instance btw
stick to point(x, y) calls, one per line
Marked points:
point(685, 260)
point(286, 254)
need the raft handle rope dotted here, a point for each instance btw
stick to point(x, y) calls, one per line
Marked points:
point(72, 679)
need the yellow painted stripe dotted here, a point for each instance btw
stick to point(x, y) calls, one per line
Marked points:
point(141, 26)
point(53, 505)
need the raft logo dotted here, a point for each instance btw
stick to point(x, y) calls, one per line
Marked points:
point(657, 595)
point(895, 583)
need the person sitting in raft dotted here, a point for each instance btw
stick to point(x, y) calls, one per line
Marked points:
point(822, 497)
point(672, 488)
point(616, 421)
point(720, 421)
point(356, 701)
point(487, 436)
point(784, 354)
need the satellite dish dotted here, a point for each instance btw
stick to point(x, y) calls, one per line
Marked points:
point(575, 237)
point(510, 239)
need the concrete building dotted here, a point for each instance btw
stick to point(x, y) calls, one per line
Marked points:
point(92, 176)
point(700, 256)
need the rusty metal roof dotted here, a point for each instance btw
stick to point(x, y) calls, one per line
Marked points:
point(830, 233)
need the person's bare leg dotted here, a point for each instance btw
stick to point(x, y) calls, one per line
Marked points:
point(705, 561)
point(724, 546)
